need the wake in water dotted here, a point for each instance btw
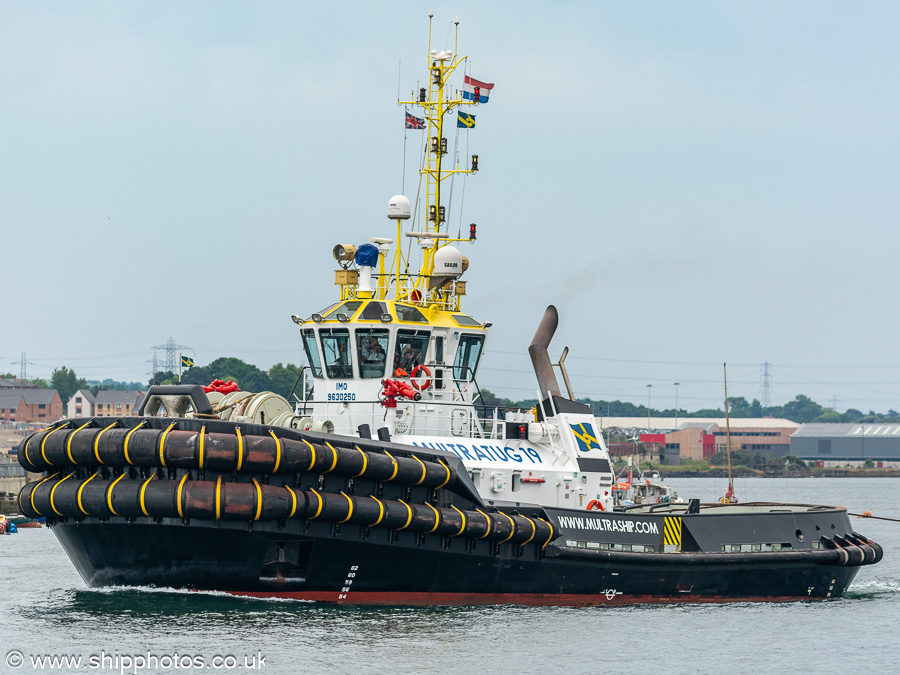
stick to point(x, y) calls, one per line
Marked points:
point(876, 587)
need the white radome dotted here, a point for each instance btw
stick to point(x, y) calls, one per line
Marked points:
point(399, 208)
point(448, 262)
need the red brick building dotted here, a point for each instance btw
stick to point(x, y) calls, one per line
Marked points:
point(10, 402)
point(115, 403)
point(30, 405)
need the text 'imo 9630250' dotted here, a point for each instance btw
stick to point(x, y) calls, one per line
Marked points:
point(450, 502)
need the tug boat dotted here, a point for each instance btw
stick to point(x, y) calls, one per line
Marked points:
point(389, 483)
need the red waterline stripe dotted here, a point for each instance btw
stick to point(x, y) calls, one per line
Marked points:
point(533, 599)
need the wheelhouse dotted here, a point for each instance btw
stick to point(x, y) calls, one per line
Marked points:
point(378, 339)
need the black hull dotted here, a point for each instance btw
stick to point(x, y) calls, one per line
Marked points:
point(332, 570)
point(271, 512)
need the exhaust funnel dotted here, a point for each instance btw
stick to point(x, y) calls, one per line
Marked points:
point(540, 358)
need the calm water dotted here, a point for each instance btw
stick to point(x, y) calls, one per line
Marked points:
point(45, 609)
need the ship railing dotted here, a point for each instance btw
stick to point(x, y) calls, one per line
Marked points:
point(491, 426)
point(436, 417)
point(487, 415)
point(407, 291)
point(487, 422)
point(463, 389)
point(458, 391)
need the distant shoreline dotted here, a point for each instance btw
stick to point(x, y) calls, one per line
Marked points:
point(741, 472)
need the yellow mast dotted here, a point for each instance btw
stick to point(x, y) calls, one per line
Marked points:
point(435, 102)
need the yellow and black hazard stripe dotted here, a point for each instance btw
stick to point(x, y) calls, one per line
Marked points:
point(672, 532)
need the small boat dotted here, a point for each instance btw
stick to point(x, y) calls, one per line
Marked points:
point(648, 487)
point(21, 521)
point(389, 482)
point(7, 526)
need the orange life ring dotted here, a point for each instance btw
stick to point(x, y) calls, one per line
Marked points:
point(426, 383)
point(595, 505)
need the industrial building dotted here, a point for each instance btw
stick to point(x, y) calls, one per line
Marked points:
point(832, 445)
point(691, 438)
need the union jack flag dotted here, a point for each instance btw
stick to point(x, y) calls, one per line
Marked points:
point(413, 122)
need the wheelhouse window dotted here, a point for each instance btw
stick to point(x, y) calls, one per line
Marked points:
point(412, 346)
point(464, 320)
point(373, 311)
point(467, 355)
point(336, 350)
point(327, 310)
point(347, 309)
point(371, 346)
point(407, 313)
point(312, 352)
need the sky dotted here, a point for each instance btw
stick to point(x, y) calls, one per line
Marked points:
point(689, 183)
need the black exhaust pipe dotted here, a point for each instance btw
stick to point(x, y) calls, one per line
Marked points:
point(540, 358)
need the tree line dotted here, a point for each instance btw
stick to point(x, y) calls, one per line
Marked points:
point(801, 409)
point(66, 382)
point(281, 379)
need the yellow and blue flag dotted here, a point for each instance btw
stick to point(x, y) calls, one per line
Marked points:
point(186, 361)
point(465, 120)
point(586, 437)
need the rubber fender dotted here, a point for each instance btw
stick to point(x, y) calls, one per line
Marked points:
point(844, 558)
point(132, 495)
point(159, 498)
point(24, 500)
point(879, 551)
point(32, 451)
point(88, 444)
point(110, 446)
point(751, 559)
point(854, 553)
point(868, 551)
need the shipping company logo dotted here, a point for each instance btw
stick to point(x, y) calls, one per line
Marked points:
point(586, 437)
point(608, 525)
